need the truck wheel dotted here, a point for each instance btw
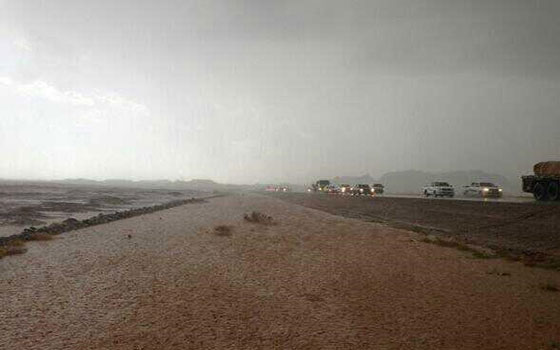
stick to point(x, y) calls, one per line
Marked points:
point(553, 191)
point(539, 192)
point(426, 193)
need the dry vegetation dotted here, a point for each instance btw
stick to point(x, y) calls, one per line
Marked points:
point(39, 236)
point(259, 218)
point(223, 230)
point(459, 246)
point(14, 247)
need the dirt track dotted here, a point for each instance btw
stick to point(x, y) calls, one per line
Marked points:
point(517, 226)
point(314, 281)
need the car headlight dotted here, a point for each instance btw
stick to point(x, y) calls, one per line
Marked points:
point(486, 189)
point(499, 189)
point(372, 190)
point(361, 190)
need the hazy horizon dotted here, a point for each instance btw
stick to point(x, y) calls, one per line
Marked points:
point(247, 91)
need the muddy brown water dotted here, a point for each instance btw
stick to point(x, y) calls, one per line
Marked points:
point(312, 281)
point(26, 204)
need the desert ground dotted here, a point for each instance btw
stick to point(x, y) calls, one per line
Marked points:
point(309, 280)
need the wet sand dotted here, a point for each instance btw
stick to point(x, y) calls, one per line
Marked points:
point(313, 281)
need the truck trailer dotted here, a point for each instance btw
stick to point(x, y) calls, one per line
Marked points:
point(545, 183)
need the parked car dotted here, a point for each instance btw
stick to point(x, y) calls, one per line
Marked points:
point(362, 190)
point(438, 189)
point(345, 189)
point(482, 189)
point(378, 188)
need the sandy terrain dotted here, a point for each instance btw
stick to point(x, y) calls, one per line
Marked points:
point(314, 281)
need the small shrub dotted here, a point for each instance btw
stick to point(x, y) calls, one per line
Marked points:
point(448, 244)
point(482, 255)
point(552, 263)
point(40, 237)
point(495, 271)
point(12, 250)
point(258, 218)
point(223, 230)
point(459, 246)
point(13, 247)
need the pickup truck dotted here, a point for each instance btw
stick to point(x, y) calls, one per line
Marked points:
point(482, 189)
point(438, 189)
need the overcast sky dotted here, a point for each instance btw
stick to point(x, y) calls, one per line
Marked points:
point(246, 91)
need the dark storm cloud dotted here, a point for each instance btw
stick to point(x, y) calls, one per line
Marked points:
point(283, 90)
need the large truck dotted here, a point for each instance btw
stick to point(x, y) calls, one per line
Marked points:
point(545, 183)
point(319, 186)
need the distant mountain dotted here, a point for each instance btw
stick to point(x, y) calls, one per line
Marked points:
point(410, 181)
point(196, 184)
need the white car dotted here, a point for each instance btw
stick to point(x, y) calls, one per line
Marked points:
point(482, 189)
point(438, 189)
point(345, 189)
point(332, 189)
